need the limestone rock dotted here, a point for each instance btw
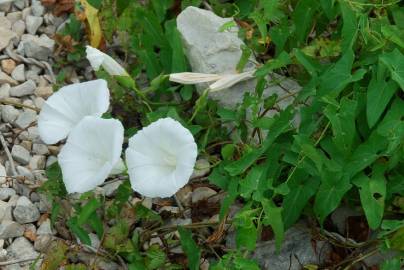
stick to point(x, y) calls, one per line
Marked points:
point(25, 211)
point(6, 36)
point(20, 154)
point(10, 229)
point(24, 89)
point(22, 248)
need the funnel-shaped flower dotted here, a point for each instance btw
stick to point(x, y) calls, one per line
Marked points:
point(220, 81)
point(193, 78)
point(161, 158)
point(65, 108)
point(97, 59)
point(228, 80)
point(92, 150)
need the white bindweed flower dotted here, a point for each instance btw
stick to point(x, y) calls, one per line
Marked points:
point(65, 108)
point(161, 158)
point(220, 82)
point(228, 80)
point(91, 152)
point(97, 59)
point(193, 78)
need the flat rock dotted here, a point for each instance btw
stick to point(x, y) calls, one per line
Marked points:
point(18, 73)
point(19, 27)
point(4, 78)
point(33, 23)
point(25, 211)
point(10, 229)
point(20, 154)
point(22, 248)
point(6, 36)
point(297, 249)
point(6, 193)
point(9, 114)
point(37, 47)
point(212, 51)
point(5, 90)
point(25, 119)
point(23, 89)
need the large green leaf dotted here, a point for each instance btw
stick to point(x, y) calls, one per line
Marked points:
point(273, 217)
point(332, 189)
point(380, 91)
point(302, 188)
point(372, 193)
point(281, 124)
point(350, 26)
point(303, 16)
point(395, 63)
point(190, 248)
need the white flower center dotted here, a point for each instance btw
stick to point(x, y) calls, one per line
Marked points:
point(171, 160)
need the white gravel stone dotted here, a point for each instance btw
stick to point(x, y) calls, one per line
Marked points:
point(4, 78)
point(14, 16)
point(45, 228)
point(5, 90)
point(5, 23)
point(42, 242)
point(18, 28)
point(18, 73)
point(33, 23)
point(44, 91)
point(25, 119)
point(22, 171)
point(25, 211)
point(26, 88)
point(20, 4)
point(3, 175)
point(9, 114)
point(40, 149)
point(37, 162)
point(20, 154)
point(21, 248)
point(37, 8)
point(10, 229)
point(39, 48)
point(6, 193)
point(6, 36)
point(5, 210)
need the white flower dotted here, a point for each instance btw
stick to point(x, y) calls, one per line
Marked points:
point(220, 81)
point(228, 80)
point(65, 108)
point(193, 78)
point(91, 152)
point(97, 59)
point(161, 158)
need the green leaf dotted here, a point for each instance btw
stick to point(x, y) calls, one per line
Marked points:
point(282, 60)
point(394, 34)
point(246, 231)
point(273, 217)
point(227, 26)
point(88, 209)
point(245, 56)
point(338, 76)
point(302, 188)
point(178, 60)
point(330, 193)
point(281, 124)
point(250, 183)
point(380, 91)
point(303, 16)
point(394, 61)
point(372, 193)
point(78, 231)
point(391, 264)
point(190, 248)
point(349, 28)
point(155, 257)
point(343, 124)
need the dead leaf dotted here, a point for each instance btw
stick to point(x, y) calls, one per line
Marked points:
point(93, 23)
point(218, 234)
point(59, 6)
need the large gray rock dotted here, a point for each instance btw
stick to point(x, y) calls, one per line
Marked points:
point(25, 211)
point(299, 248)
point(21, 248)
point(37, 47)
point(10, 229)
point(212, 51)
point(20, 154)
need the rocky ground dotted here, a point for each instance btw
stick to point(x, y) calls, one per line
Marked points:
point(26, 77)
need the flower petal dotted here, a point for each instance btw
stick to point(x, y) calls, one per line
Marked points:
point(193, 78)
point(160, 158)
point(92, 150)
point(65, 108)
point(97, 59)
point(228, 80)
